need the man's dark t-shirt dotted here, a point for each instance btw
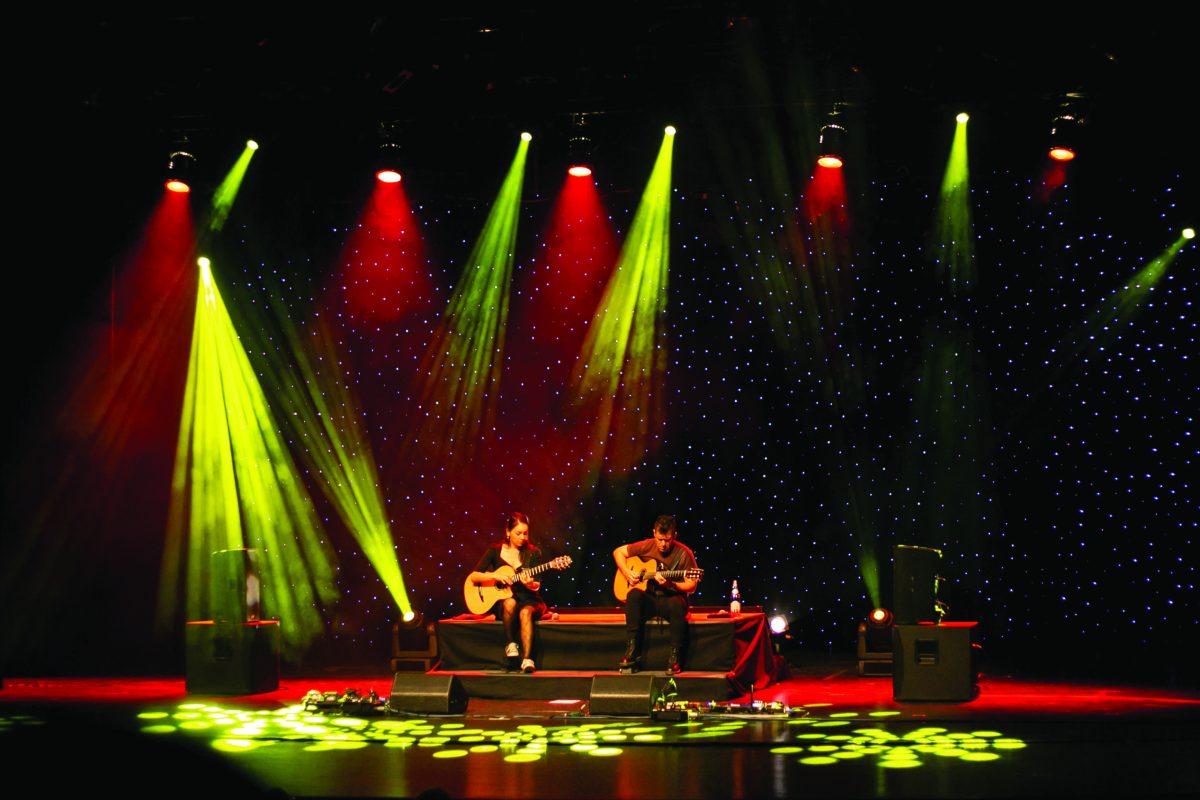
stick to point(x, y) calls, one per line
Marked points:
point(680, 556)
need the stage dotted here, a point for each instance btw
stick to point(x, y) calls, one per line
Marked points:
point(874, 335)
point(724, 656)
point(1020, 738)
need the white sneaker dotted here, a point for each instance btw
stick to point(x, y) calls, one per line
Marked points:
point(527, 665)
point(512, 651)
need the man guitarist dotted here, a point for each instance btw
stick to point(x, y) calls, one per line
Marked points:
point(526, 604)
point(656, 597)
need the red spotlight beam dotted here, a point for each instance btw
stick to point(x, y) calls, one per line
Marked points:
point(1054, 176)
point(580, 249)
point(383, 275)
point(825, 199)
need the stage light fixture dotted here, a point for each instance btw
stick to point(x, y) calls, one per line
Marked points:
point(180, 166)
point(253, 145)
point(669, 130)
point(414, 643)
point(203, 262)
point(962, 118)
point(387, 154)
point(526, 136)
point(580, 147)
point(1066, 126)
point(1189, 233)
point(831, 140)
point(875, 644)
point(781, 639)
point(1064, 131)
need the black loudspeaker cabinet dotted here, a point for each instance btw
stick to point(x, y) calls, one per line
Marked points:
point(232, 658)
point(417, 693)
point(621, 695)
point(935, 662)
point(914, 578)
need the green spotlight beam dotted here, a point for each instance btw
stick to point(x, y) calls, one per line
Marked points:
point(462, 365)
point(222, 202)
point(328, 423)
point(801, 293)
point(1118, 309)
point(235, 485)
point(950, 443)
point(620, 371)
point(954, 242)
point(1068, 357)
point(1130, 297)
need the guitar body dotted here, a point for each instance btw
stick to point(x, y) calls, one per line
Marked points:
point(480, 599)
point(643, 569)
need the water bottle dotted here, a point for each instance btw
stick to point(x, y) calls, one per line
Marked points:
point(735, 600)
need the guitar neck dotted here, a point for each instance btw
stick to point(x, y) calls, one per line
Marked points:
point(538, 570)
point(673, 574)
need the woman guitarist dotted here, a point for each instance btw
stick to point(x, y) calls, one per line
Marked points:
point(526, 604)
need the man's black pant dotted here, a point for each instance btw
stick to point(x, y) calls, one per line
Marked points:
point(641, 606)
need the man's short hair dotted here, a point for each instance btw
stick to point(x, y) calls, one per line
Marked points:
point(665, 524)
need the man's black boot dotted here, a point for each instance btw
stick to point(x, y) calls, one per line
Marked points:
point(673, 667)
point(632, 655)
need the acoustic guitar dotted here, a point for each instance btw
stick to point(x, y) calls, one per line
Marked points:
point(480, 599)
point(644, 572)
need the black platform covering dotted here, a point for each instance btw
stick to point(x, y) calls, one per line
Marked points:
point(556, 685)
point(738, 647)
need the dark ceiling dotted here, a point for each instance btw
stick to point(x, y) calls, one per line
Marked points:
point(97, 97)
point(316, 86)
point(104, 95)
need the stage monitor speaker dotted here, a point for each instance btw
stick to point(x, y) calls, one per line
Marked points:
point(914, 583)
point(235, 592)
point(229, 658)
point(415, 693)
point(935, 662)
point(621, 695)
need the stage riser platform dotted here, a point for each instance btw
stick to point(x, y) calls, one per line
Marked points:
point(578, 685)
point(591, 647)
point(591, 641)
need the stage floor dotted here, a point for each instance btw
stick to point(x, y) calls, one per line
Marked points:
point(1019, 739)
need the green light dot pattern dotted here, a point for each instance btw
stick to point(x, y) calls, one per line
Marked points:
point(235, 731)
